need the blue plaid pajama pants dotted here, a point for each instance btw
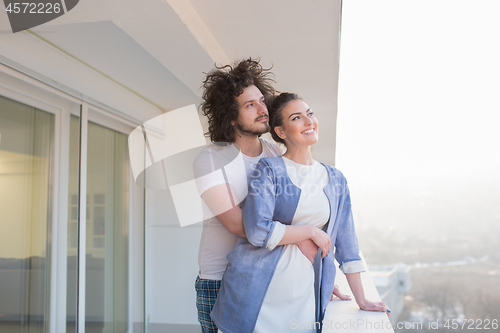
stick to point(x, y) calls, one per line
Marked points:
point(206, 295)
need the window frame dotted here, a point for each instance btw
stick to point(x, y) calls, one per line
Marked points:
point(25, 89)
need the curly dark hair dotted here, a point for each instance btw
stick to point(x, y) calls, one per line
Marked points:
point(221, 87)
point(276, 112)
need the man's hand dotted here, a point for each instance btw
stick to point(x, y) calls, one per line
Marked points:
point(308, 248)
point(336, 292)
point(321, 239)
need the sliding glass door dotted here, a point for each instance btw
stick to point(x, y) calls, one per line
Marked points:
point(49, 279)
point(107, 234)
point(26, 148)
point(26, 163)
point(107, 231)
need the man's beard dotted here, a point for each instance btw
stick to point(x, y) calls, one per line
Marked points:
point(250, 131)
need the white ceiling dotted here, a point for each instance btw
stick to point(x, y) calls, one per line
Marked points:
point(160, 48)
point(111, 51)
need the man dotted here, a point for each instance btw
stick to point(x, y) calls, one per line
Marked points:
point(234, 101)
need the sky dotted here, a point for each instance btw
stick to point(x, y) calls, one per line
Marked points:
point(419, 94)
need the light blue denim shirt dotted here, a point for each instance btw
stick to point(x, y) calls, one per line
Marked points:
point(272, 199)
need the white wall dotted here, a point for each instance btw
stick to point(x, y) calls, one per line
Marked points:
point(171, 262)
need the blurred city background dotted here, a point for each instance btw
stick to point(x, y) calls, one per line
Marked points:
point(418, 141)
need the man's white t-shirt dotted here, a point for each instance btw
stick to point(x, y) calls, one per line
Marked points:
point(223, 164)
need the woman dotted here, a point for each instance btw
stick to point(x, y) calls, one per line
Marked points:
point(269, 285)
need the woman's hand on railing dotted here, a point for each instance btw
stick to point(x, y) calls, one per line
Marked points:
point(374, 306)
point(339, 294)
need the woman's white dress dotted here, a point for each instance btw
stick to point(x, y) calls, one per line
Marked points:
point(289, 302)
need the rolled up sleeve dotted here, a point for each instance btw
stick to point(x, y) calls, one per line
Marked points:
point(276, 236)
point(258, 209)
point(355, 266)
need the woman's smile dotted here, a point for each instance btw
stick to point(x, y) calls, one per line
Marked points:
point(309, 131)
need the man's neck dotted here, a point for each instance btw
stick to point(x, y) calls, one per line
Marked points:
point(249, 145)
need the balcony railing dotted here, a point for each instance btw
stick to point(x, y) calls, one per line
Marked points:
point(345, 316)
